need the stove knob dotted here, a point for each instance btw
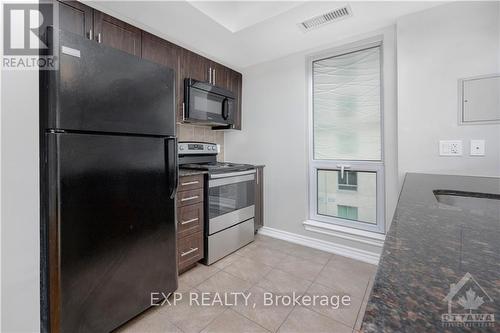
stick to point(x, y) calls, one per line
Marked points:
point(181, 147)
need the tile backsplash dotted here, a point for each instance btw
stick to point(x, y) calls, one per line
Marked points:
point(187, 132)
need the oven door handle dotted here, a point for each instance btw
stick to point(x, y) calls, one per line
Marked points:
point(231, 180)
point(232, 174)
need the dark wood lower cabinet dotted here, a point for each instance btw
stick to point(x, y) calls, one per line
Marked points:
point(190, 219)
point(189, 197)
point(259, 198)
point(190, 222)
point(190, 251)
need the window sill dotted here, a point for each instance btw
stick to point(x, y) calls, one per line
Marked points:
point(362, 236)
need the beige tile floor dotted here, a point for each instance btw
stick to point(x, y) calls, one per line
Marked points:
point(265, 266)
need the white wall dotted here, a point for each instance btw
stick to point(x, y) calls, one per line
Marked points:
point(20, 245)
point(274, 118)
point(275, 134)
point(436, 47)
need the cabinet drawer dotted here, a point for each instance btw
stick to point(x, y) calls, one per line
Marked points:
point(185, 198)
point(189, 219)
point(190, 182)
point(190, 250)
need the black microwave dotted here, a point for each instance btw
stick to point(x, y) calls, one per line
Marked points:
point(206, 104)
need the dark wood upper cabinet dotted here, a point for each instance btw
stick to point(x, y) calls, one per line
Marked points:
point(231, 80)
point(221, 75)
point(236, 85)
point(194, 66)
point(80, 19)
point(75, 17)
point(165, 53)
point(117, 34)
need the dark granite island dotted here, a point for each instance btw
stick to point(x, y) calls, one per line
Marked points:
point(439, 238)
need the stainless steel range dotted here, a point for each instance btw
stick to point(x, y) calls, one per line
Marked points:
point(230, 199)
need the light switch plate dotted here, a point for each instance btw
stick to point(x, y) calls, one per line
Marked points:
point(477, 147)
point(450, 147)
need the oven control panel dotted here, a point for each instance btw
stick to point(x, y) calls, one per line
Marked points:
point(196, 148)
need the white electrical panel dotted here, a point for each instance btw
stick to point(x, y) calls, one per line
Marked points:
point(450, 148)
point(479, 102)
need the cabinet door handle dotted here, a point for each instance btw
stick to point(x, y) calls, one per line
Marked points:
point(189, 221)
point(210, 75)
point(99, 39)
point(190, 198)
point(257, 176)
point(214, 76)
point(91, 34)
point(183, 112)
point(189, 252)
point(190, 183)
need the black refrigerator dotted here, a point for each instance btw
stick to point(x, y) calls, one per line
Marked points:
point(108, 182)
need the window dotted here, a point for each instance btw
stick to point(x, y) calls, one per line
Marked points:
point(347, 212)
point(330, 196)
point(346, 165)
point(348, 181)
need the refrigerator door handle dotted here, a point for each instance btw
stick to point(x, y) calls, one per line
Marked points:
point(172, 166)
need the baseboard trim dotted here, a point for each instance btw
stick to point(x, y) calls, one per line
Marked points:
point(359, 236)
point(318, 244)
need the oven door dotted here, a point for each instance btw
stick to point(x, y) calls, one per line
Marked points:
point(231, 199)
point(206, 106)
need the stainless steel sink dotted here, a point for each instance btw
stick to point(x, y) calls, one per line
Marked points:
point(483, 204)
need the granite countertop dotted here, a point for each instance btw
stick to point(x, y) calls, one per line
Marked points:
point(191, 172)
point(431, 245)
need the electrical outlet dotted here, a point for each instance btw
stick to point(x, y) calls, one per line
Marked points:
point(477, 148)
point(450, 147)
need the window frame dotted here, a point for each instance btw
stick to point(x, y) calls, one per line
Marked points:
point(355, 165)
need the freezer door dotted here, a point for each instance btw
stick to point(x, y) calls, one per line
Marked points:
point(98, 88)
point(112, 222)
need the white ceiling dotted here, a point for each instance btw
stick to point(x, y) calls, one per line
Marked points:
point(241, 34)
point(237, 15)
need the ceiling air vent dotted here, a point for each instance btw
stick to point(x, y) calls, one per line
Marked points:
point(332, 16)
